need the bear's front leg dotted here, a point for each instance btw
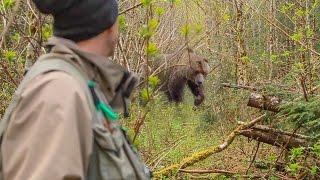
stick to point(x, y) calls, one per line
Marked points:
point(176, 87)
point(199, 99)
point(197, 91)
point(176, 96)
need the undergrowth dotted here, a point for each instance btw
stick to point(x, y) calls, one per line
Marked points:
point(172, 131)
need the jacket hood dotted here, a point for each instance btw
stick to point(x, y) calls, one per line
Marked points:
point(114, 80)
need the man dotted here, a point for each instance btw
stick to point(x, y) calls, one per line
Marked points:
point(53, 131)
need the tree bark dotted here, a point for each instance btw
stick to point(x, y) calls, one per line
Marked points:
point(268, 129)
point(265, 102)
point(241, 49)
point(274, 138)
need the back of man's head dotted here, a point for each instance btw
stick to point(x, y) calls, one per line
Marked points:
point(79, 20)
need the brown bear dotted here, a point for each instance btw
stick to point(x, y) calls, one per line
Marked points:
point(188, 69)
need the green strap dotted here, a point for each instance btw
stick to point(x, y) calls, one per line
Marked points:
point(100, 105)
point(107, 111)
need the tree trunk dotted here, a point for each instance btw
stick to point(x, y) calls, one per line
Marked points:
point(241, 52)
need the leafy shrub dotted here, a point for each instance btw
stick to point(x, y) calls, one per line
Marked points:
point(305, 114)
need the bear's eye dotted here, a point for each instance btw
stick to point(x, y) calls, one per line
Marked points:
point(199, 62)
point(206, 60)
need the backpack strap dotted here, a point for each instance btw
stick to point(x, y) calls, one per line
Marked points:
point(40, 67)
point(44, 66)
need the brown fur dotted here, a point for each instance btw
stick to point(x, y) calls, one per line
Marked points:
point(174, 79)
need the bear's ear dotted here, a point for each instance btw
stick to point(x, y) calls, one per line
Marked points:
point(190, 50)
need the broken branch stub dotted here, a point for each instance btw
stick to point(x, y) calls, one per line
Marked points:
point(264, 102)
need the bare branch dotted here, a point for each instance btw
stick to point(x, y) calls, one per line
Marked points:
point(130, 8)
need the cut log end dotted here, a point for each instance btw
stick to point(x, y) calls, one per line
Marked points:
point(269, 103)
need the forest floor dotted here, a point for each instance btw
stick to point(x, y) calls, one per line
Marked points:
point(172, 132)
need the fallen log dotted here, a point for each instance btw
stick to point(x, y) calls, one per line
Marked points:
point(275, 138)
point(265, 128)
point(264, 102)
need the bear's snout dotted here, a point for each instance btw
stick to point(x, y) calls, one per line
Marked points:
point(199, 79)
point(199, 83)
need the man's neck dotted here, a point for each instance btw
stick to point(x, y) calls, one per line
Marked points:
point(94, 46)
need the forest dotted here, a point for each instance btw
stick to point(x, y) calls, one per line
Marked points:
point(260, 117)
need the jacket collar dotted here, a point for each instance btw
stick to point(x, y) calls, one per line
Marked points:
point(113, 80)
point(107, 73)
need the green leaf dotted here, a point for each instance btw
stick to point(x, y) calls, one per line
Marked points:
point(309, 32)
point(306, 114)
point(295, 153)
point(146, 3)
point(154, 81)
point(173, 1)
point(314, 170)
point(297, 36)
point(287, 7)
point(299, 13)
point(226, 17)
point(10, 55)
point(274, 57)
point(152, 49)
point(272, 158)
point(286, 54)
point(293, 168)
point(160, 11)
point(198, 28)
point(316, 149)
point(144, 32)
point(153, 24)
point(7, 4)
point(298, 67)
point(272, 177)
point(245, 59)
point(16, 37)
point(46, 31)
point(145, 94)
point(122, 22)
point(185, 30)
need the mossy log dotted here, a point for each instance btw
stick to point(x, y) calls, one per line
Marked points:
point(202, 155)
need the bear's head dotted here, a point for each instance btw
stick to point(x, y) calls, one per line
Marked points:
point(200, 68)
